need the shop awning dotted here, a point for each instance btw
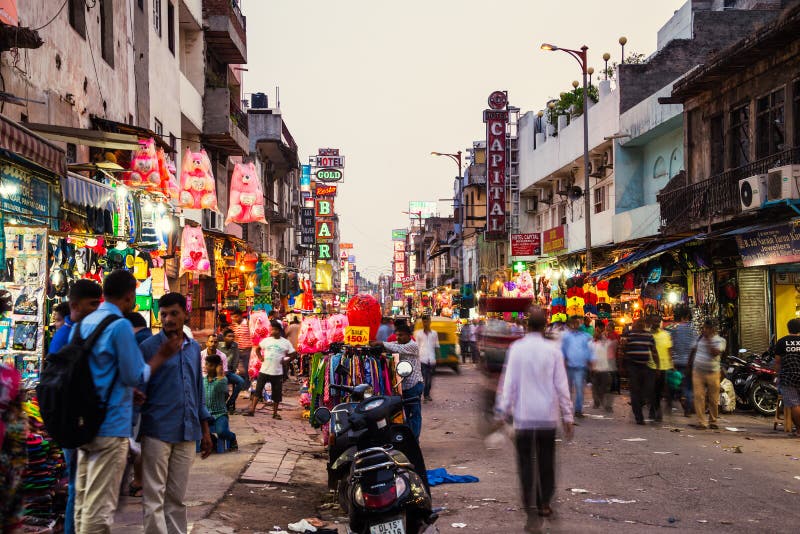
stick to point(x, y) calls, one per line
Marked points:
point(98, 138)
point(21, 141)
point(82, 191)
point(640, 256)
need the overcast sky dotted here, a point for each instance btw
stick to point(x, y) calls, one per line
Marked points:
point(389, 82)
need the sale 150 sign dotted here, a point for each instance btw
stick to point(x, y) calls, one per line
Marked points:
point(496, 120)
point(356, 335)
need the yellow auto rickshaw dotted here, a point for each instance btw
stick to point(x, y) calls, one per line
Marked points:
point(447, 330)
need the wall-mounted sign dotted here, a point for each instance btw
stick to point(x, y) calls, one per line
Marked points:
point(329, 175)
point(305, 177)
point(307, 229)
point(526, 244)
point(351, 258)
point(770, 246)
point(325, 190)
point(336, 162)
point(345, 246)
point(399, 256)
point(323, 207)
point(399, 235)
point(324, 278)
point(324, 230)
point(399, 246)
point(496, 120)
point(553, 241)
point(328, 151)
point(323, 251)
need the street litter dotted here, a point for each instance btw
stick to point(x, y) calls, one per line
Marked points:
point(608, 501)
point(790, 491)
point(734, 429)
point(440, 476)
point(634, 439)
point(489, 500)
point(662, 452)
point(576, 491)
point(472, 507)
point(798, 478)
point(302, 526)
point(702, 520)
point(459, 525)
point(672, 519)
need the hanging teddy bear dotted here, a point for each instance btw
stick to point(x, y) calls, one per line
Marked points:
point(144, 166)
point(198, 189)
point(194, 254)
point(525, 285)
point(247, 198)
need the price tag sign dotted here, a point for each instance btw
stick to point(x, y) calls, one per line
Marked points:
point(356, 335)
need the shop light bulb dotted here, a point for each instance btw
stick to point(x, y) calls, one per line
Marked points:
point(556, 274)
point(166, 225)
point(147, 208)
point(672, 297)
point(122, 192)
point(635, 305)
point(9, 189)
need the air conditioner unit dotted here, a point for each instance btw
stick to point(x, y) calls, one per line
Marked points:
point(783, 183)
point(608, 158)
point(532, 204)
point(213, 220)
point(753, 192)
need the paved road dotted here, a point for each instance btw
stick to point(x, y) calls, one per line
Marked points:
point(678, 477)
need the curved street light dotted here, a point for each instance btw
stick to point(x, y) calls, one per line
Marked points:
point(580, 57)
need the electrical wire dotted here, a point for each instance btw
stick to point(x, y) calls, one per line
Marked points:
point(54, 17)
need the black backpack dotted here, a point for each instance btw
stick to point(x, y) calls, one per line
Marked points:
point(70, 406)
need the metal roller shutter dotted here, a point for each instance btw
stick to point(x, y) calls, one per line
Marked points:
point(753, 322)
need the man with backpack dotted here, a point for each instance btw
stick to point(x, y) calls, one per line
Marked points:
point(83, 299)
point(116, 366)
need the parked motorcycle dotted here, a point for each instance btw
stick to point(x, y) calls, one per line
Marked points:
point(753, 381)
point(376, 465)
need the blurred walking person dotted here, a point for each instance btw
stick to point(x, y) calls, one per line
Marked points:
point(428, 342)
point(534, 391)
point(578, 357)
point(660, 365)
point(704, 362)
point(684, 337)
point(639, 350)
point(605, 350)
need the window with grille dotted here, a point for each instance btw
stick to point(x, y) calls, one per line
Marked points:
point(770, 124)
point(739, 136)
point(158, 127)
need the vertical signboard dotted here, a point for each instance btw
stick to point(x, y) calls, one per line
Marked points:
point(496, 119)
point(307, 227)
point(305, 178)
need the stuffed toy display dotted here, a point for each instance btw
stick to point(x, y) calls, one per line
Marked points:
point(144, 167)
point(364, 310)
point(247, 198)
point(311, 338)
point(336, 325)
point(194, 254)
point(525, 285)
point(198, 189)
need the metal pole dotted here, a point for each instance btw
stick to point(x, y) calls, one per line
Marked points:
point(586, 186)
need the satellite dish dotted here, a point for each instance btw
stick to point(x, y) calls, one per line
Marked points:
point(575, 192)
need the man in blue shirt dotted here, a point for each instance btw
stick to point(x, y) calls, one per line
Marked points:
point(83, 299)
point(578, 355)
point(117, 367)
point(174, 418)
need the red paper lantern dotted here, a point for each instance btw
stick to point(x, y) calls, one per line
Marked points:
point(364, 310)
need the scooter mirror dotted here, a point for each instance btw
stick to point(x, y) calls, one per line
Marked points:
point(322, 415)
point(742, 351)
point(404, 369)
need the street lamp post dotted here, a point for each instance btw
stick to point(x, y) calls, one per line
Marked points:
point(580, 56)
point(457, 159)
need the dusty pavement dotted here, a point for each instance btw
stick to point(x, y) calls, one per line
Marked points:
point(625, 477)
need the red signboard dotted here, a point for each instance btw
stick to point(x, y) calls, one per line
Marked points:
point(496, 120)
point(526, 244)
point(325, 190)
point(553, 240)
point(323, 207)
point(345, 246)
point(325, 230)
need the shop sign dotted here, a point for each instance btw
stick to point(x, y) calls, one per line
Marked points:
point(399, 256)
point(329, 175)
point(496, 120)
point(325, 190)
point(305, 178)
point(323, 207)
point(526, 244)
point(345, 246)
point(325, 230)
point(328, 162)
point(397, 285)
point(419, 285)
point(553, 240)
point(307, 236)
point(351, 258)
point(324, 278)
point(399, 246)
point(323, 251)
point(399, 235)
point(23, 192)
point(356, 335)
point(421, 209)
point(770, 246)
point(328, 151)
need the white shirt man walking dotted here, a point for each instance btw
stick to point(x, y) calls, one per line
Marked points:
point(428, 341)
point(534, 390)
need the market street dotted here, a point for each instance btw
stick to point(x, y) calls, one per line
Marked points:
point(678, 478)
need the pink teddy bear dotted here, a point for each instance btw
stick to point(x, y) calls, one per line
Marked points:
point(194, 255)
point(198, 190)
point(247, 198)
point(525, 285)
point(144, 167)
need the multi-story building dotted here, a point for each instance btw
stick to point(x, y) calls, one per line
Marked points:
point(473, 205)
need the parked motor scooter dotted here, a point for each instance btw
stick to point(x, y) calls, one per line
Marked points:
point(384, 488)
point(753, 380)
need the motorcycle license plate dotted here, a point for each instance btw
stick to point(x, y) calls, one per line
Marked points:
point(392, 527)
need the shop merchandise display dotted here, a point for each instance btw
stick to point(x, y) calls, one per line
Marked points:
point(198, 188)
point(194, 254)
point(246, 199)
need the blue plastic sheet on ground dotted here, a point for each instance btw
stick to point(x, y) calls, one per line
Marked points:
point(441, 476)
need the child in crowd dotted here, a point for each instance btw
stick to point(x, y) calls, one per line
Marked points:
point(216, 388)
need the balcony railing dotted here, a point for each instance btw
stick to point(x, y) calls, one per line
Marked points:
point(239, 118)
point(686, 205)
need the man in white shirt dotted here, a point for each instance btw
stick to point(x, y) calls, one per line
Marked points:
point(273, 351)
point(428, 341)
point(212, 347)
point(534, 391)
